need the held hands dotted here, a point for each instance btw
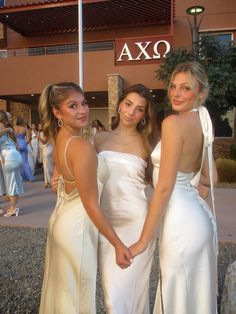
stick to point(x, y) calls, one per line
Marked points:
point(123, 256)
point(137, 248)
point(203, 190)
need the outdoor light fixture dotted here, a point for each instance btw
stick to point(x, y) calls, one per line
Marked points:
point(195, 11)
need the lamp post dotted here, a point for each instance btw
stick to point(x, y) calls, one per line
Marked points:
point(195, 11)
point(80, 43)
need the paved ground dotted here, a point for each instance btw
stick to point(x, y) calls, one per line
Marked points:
point(37, 203)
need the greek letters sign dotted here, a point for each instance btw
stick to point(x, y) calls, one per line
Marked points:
point(130, 51)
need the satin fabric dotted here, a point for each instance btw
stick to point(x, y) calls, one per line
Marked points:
point(125, 204)
point(11, 167)
point(71, 258)
point(187, 248)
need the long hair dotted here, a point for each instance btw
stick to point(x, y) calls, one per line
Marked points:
point(149, 129)
point(196, 73)
point(4, 120)
point(52, 96)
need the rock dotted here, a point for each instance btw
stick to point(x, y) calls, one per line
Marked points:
point(228, 302)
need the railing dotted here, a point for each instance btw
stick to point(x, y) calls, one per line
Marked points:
point(57, 49)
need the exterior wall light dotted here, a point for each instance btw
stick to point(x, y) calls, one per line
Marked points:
point(194, 25)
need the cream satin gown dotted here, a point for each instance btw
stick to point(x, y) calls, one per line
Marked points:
point(125, 204)
point(69, 282)
point(187, 244)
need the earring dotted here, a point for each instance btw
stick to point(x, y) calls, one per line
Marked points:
point(143, 122)
point(118, 111)
point(60, 123)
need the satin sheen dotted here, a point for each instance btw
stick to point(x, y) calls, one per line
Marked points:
point(124, 202)
point(69, 282)
point(187, 250)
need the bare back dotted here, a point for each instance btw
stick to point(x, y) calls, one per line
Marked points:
point(193, 142)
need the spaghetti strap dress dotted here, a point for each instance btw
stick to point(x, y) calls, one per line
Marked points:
point(11, 167)
point(69, 281)
point(124, 201)
point(187, 242)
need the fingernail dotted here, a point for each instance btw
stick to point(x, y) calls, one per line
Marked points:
point(131, 260)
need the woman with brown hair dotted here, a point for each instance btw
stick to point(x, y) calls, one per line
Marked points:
point(71, 254)
point(11, 165)
point(124, 167)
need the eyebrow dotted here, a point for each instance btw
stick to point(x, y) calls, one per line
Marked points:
point(130, 101)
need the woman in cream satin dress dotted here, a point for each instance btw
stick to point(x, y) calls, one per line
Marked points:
point(123, 160)
point(71, 253)
point(188, 241)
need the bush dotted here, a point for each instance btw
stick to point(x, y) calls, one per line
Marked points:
point(226, 170)
point(233, 151)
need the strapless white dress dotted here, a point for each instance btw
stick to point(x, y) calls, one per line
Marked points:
point(187, 248)
point(69, 282)
point(125, 204)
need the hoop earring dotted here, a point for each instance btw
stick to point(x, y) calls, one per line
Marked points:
point(143, 122)
point(60, 123)
point(118, 111)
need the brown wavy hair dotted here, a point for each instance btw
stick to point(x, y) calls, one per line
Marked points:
point(52, 96)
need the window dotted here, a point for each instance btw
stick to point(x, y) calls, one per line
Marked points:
point(224, 125)
point(2, 3)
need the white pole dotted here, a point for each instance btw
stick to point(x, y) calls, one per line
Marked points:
point(80, 42)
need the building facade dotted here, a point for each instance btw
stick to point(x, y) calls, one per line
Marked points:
point(124, 43)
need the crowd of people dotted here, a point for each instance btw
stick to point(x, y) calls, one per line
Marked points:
point(103, 217)
point(23, 150)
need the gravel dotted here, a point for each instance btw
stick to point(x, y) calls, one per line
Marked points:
point(21, 269)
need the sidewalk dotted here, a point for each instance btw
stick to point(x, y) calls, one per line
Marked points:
point(37, 204)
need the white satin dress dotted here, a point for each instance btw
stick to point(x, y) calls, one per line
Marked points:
point(123, 199)
point(187, 246)
point(69, 282)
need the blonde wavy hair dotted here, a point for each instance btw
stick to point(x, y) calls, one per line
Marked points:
point(196, 73)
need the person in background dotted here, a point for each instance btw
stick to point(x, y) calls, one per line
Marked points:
point(97, 126)
point(34, 145)
point(40, 152)
point(11, 162)
point(188, 239)
point(23, 138)
point(124, 168)
point(71, 253)
point(47, 158)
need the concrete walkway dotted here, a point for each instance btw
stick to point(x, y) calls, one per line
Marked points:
point(37, 204)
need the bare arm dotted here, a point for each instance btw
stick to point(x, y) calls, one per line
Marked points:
point(83, 160)
point(171, 150)
point(5, 130)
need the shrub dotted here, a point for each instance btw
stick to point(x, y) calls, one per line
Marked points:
point(233, 151)
point(226, 170)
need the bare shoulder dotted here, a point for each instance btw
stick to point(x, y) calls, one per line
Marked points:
point(100, 138)
point(171, 121)
point(79, 143)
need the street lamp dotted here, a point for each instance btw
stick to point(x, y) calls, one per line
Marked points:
point(195, 11)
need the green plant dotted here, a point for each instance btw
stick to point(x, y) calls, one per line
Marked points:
point(233, 151)
point(226, 170)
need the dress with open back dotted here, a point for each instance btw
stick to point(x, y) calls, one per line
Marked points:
point(69, 282)
point(187, 243)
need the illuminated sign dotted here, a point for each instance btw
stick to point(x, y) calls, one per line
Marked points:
point(129, 51)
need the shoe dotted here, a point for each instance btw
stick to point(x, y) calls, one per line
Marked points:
point(15, 212)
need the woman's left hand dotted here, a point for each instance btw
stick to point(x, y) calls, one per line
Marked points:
point(137, 248)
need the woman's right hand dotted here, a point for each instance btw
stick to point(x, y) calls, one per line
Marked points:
point(54, 183)
point(123, 256)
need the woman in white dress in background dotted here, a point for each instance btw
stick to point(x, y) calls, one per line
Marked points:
point(71, 253)
point(47, 158)
point(187, 247)
point(124, 154)
point(33, 148)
